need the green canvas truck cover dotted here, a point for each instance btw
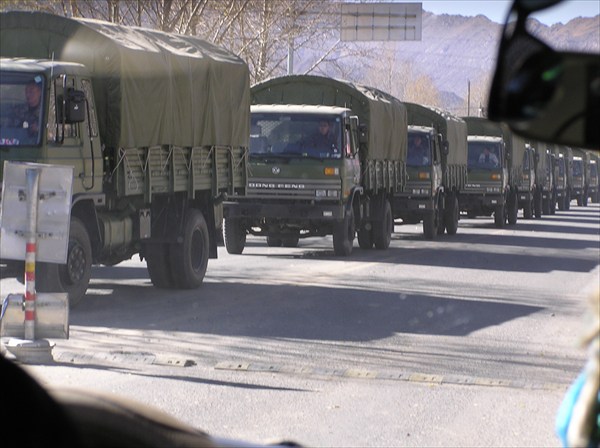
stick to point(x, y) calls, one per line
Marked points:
point(452, 128)
point(151, 88)
point(384, 115)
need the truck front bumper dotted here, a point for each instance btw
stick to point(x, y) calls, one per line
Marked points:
point(316, 211)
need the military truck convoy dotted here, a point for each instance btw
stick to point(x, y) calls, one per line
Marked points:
point(326, 158)
point(156, 126)
point(166, 139)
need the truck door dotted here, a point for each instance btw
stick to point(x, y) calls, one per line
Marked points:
point(351, 159)
point(71, 143)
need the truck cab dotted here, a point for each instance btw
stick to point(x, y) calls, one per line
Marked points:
point(60, 129)
point(304, 169)
point(419, 199)
point(487, 178)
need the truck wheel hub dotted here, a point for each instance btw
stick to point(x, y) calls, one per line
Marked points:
point(76, 263)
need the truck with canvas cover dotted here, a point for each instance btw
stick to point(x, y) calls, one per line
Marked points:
point(593, 176)
point(526, 182)
point(579, 175)
point(566, 159)
point(561, 185)
point(545, 199)
point(326, 156)
point(156, 126)
point(436, 166)
point(491, 186)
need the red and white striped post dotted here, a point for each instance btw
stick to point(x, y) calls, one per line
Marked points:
point(33, 181)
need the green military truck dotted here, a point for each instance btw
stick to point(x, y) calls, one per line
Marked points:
point(526, 182)
point(545, 195)
point(155, 125)
point(580, 178)
point(561, 186)
point(300, 186)
point(494, 168)
point(593, 176)
point(436, 166)
point(566, 153)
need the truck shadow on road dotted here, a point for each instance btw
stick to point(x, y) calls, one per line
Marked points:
point(291, 311)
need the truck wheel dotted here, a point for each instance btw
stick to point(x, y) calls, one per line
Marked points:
point(537, 204)
point(382, 232)
point(528, 210)
point(274, 242)
point(545, 207)
point(579, 200)
point(430, 225)
point(568, 201)
point(499, 217)
point(553, 206)
point(513, 209)
point(365, 238)
point(561, 203)
point(451, 215)
point(343, 235)
point(290, 241)
point(584, 200)
point(74, 276)
point(157, 262)
point(235, 236)
point(189, 258)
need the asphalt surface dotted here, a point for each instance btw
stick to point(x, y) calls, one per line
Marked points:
point(467, 340)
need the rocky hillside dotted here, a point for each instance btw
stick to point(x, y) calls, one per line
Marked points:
point(455, 49)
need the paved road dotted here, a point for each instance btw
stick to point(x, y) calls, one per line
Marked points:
point(466, 340)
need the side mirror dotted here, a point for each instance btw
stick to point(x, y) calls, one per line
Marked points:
point(71, 107)
point(543, 94)
point(363, 134)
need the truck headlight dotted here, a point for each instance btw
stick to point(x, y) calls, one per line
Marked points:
point(333, 193)
point(320, 193)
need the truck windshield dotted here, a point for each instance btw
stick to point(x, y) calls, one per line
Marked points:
point(296, 135)
point(484, 155)
point(21, 98)
point(577, 168)
point(419, 149)
point(561, 167)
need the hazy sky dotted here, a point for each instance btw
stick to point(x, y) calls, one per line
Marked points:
point(496, 10)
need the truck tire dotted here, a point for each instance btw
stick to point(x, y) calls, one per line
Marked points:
point(579, 200)
point(365, 238)
point(568, 200)
point(157, 257)
point(451, 215)
point(499, 216)
point(290, 241)
point(382, 232)
point(584, 200)
point(189, 258)
point(528, 209)
point(74, 276)
point(235, 236)
point(537, 204)
point(553, 205)
point(273, 241)
point(343, 235)
point(545, 207)
point(513, 209)
point(430, 228)
point(561, 203)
